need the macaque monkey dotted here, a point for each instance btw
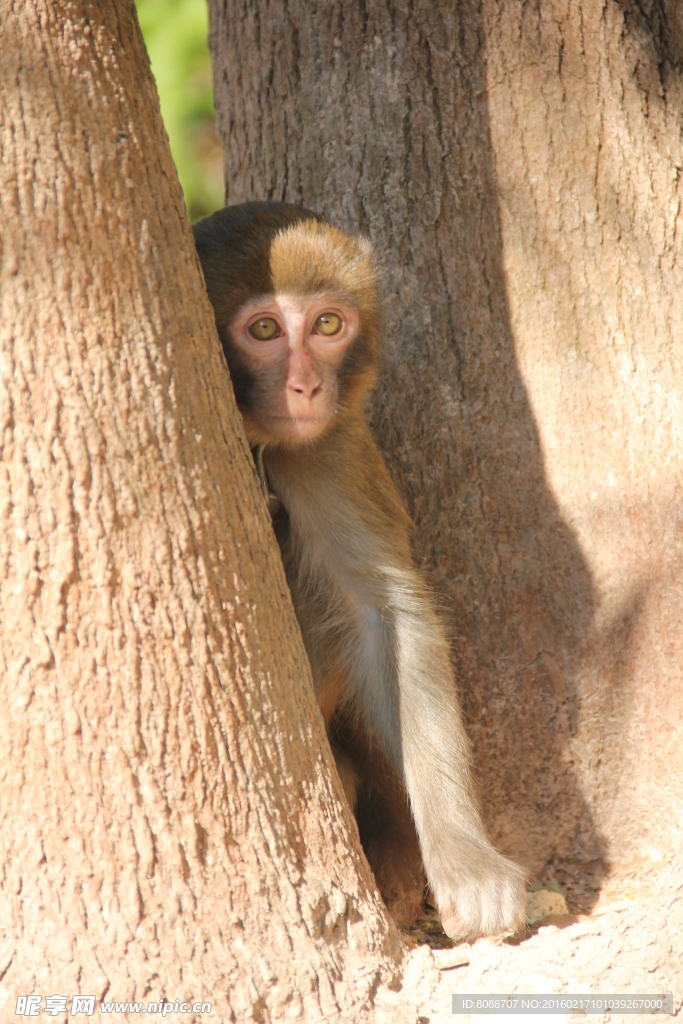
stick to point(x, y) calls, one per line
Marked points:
point(296, 307)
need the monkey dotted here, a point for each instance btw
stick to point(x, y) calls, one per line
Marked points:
point(297, 311)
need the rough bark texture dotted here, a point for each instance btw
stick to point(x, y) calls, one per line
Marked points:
point(169, 823)
point(517, 166)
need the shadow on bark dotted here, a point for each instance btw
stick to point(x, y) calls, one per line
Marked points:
point(656, 28)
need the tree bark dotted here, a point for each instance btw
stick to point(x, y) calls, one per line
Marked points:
point(171, 825)
point(518, 167)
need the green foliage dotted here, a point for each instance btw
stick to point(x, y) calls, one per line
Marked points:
point(175, 32)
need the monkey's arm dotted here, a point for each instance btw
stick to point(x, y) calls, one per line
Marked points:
point(477, 890)
point(364, 606)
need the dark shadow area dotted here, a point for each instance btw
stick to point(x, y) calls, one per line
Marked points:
point(382, 811)
point(656, 28)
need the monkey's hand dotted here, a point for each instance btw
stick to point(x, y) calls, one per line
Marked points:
point(482, 894)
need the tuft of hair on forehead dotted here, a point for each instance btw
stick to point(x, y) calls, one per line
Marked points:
point(314, 258)
point(265, 248)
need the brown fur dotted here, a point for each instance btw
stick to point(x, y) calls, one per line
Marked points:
point(378, 652)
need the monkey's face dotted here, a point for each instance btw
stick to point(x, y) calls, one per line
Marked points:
point(289, 356)
point(296, 308)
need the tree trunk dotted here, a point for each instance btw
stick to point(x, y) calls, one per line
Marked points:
point(170, 822)
point(518, 168)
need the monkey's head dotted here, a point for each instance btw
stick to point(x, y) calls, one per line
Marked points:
point(295, 302)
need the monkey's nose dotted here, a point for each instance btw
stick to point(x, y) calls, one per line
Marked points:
point(308, 386)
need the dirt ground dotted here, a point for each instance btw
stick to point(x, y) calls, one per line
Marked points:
point(623, 935)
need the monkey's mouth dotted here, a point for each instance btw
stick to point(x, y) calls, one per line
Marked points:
point(305, 422)
point(288, 427)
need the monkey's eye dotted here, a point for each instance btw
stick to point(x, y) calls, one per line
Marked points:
point(328, 324)
point(264, 329)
